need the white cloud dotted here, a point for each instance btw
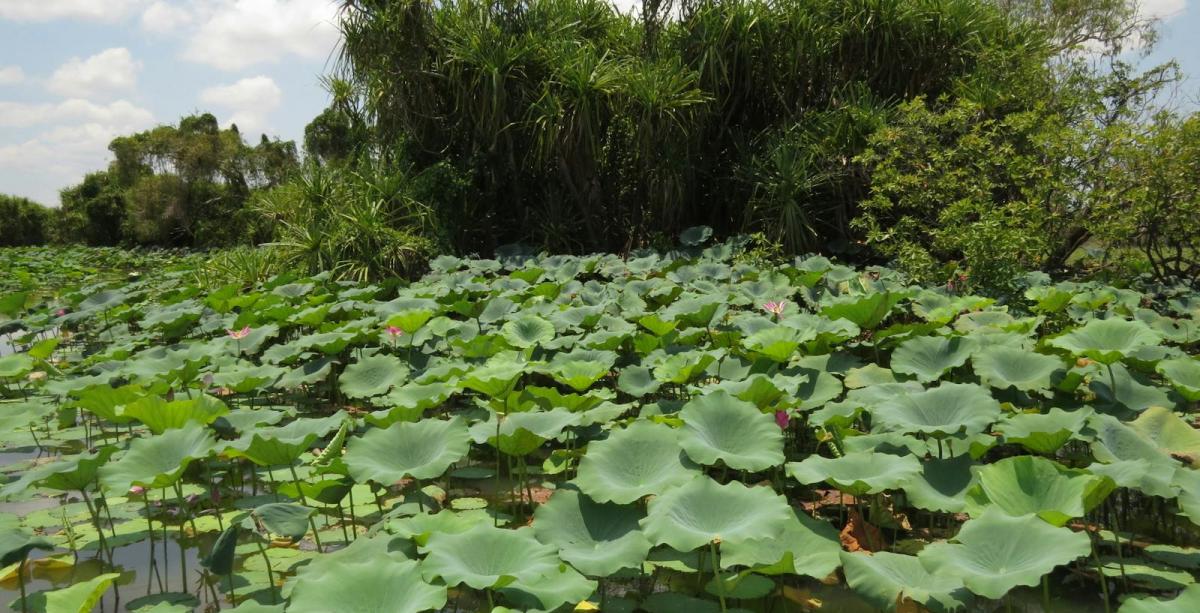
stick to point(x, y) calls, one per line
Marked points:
point(121, 113)
point(248, 102)
point(240, 33)
point(11, 75)
point(1162, 9)
point(49, 10)
point(74, 142)
point(164, 17)
point(112, 71)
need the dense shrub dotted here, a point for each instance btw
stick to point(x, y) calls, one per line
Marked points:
point(22, 222)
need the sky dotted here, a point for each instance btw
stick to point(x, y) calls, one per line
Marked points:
point(74, 74)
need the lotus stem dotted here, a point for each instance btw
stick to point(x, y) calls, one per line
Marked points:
point(21, 582)
point(270, 573)
point(96, 522)
point(1103, 581)
point(1046, 593)
point(716, 564)
point(150, 529)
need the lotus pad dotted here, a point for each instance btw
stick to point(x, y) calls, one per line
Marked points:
point(887, 579)
point(1026, 484)
point(996, 552)
point(638, 461)
point(596, 538)
point(702, 510)
point(950, 408)
point(719, 427)
point(485, 557)
point(857, 473)
point(421, 450)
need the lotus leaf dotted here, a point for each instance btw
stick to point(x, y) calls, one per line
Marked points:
point(996, 552)
point(943, 484)
point(719, 427)
point(703, 511)
point(372, 376)
point(888, 580)
point(858, 473)
point(1186, 601)
point(1044, 433)
point(421, 450)
point(1001, 367)
point(929, 357)
point(947, 409)
point(81, 597)
point(158, 461)
point(641, 460)
point(1107, 340)
point(1022, 485)
point(806, 546)
point(1184, 374)
point(527, 330)
point(366, 585)
point(596, 538)
point(488, 557)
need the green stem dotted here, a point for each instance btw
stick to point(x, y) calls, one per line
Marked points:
point(21, 582)
point(716, 564)
point(1103, 581)
point(270, 573)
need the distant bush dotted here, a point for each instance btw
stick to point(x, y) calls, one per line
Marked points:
point(22, 222)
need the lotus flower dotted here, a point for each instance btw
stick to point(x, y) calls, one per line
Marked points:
point(393, 331)
point(775, 308)
point(60, 312)
point(137, 490)
point(238, 335)
point(781, 419)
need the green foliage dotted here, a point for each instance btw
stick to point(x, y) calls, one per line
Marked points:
point(22, 222)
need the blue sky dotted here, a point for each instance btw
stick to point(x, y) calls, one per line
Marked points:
point(76, 73)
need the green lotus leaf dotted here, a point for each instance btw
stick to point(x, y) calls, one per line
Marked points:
point(683, 367)
point(1023, 485)
point(777, 343)
point(527, 330)
point(367, 585)
point(522, 432)
point(1107, 340)
point(888, 580)
point(857, 474)
point(549, 592)
point(641, 460)
point(1044, 433)
point(1179, 557)
point(81, 597)
point(1184, 375)
point(309, 373)
point(1186, 601)
point(598, 538)
point(159, 415)
point(488, 557)
point(15, 545)
point(950, 408)
point(72, 473)
point(421, 450)
point(158, 461)
point(248, 378)
point(105, 401)
point(865, 311)
point(656, 325)
point(806, 546)
point(637, 381)
point(1169, 432)
point(103, 300)
point(943, 484)
point(929, 357)
point(372, 376)
point(996, 552)
point(219, 560)
point(409, 402)
point(285, 444)
point(496, 379)
point(719, 427)
point(410, 320)
point(579, 369)
point(702, 511)
point(285, 518)
point(15, 366)
point(695, 236)
point(1001, 367)
point(1146, 574)
point(1133, 391)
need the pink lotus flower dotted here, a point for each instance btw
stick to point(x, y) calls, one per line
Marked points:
point(60, 312)
point(137, 490)
point(781, 419)
point(238, 335)
point(775, 308)
point(393, 331)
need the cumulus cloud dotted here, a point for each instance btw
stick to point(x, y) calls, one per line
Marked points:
point(235, 34)
point(112, 71)
point(49, 10)
point(248, 102)
point(73, 142)
point(164, 18)
point(11, 75)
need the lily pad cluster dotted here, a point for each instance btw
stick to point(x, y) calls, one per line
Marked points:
point(663, 432)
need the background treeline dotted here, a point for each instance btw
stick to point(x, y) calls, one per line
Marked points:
point(946, 136)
